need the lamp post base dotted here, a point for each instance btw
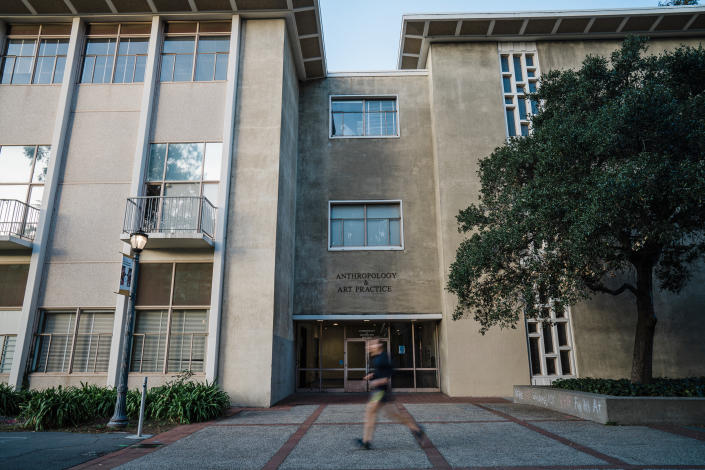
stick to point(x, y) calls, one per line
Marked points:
point(118, 422)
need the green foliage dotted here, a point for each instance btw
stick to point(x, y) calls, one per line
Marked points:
point(11, 400)
point(677, 3)
point(659, 387)
point(184, 402)
point(611, 180)
point(178, 401)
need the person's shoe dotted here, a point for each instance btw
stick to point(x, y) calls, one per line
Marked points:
point(363, 445)
point(420, 433)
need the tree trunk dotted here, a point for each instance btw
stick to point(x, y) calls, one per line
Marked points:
point(646, 321)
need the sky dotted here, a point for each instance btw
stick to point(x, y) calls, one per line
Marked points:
point(363, 35)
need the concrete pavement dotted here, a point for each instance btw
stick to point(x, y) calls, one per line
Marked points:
point(470, 433)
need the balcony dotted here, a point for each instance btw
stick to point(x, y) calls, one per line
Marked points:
point(171, 222)
point(18, 225)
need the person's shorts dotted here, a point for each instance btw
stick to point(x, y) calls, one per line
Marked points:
point(380, 396)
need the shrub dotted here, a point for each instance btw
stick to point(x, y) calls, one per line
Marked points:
point(659, 387)
point(11, 400)
point(54, 408)
point(185, 402)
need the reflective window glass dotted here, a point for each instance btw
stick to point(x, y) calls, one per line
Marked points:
point(157, 157)
point(184, 162)
point(13, 280)
point(213, 161)
point(16, 163)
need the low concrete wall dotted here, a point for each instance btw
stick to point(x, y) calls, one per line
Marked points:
point(618, 410)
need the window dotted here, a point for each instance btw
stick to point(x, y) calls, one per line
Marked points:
point(550, 345)
point(35, 54)
point(211, 47)
point(73, 341)
point(23, 169)
point(171, 327)
point(115, 53)
point(520, 74)
point(363, 117)
point(369, 225)
point(7, 352)
point(13, 280)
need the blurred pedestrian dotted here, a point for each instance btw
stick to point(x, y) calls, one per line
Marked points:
point(381, 395)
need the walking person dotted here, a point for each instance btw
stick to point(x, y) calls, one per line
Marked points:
point(381, 395)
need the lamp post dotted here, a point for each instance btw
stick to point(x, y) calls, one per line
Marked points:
point(119, 420)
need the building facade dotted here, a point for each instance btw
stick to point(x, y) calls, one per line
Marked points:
point(292, 213)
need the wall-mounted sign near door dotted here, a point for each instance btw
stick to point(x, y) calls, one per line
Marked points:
point(366, 283)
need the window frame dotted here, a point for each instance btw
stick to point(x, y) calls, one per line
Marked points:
point(337, 202)
point(74, 336)
point(170, 308)
point(118, 38)
point(363, 98)
point(514, 95)
point(37, 38)
point(196, 35)
point(543, 378)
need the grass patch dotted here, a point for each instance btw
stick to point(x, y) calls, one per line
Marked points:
point(659, 387)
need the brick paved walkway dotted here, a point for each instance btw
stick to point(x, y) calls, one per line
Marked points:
point(318, 432)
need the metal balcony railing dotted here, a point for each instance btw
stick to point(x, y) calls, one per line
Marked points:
point(18, 219)
point(171, 215)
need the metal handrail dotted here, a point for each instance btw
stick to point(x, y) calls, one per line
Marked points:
point(18, 219)
point(170, 214)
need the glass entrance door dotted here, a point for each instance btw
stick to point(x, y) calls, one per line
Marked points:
point(358, 364)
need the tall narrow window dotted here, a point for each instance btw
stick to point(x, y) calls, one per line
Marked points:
point(22, 172)
point(550, 345)
point(195, 51)
point(35, 54)
point(76, 341)
point(7, 352)
point(370, 225)
point(13, 280)
point(171, 327)
point(520, 73)
point(363, 117)
point(115, 53)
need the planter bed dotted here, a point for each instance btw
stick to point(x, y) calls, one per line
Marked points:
point(612, 409)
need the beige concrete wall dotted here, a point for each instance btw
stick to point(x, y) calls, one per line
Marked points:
point(283, 381)
point(366, 169)
point(246, 348)
point(189, 112)
point(604, 327)
point(27, 114)
point(467, 116)
point(83, 259)
point(43, 381)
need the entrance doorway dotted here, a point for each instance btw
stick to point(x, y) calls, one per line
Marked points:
point(358, 364)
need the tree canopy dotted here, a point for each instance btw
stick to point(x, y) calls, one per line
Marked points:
point(609, 185)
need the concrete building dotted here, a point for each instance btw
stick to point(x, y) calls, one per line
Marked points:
point(292, 213)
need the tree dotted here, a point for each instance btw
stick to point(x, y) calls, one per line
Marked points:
point(609, 186)
point(677, 3)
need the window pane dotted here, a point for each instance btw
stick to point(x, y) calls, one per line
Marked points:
point(565, 363)
point(550, 366)
point(183, 67)
point(524, 130)
point(56, 353)
point(187, 341)
point(403, 379)
point(167, 68)
point(425, 344)
point(36, 193)
point(529, 60)
point(23, 70)
point(562, 334)
point(16, 163)
point(184, 162)
point(157, 155)
point(121, 69)
point(505, 63)
point(530, 73)
point(390, 124)
point(347, 106)
point(510, 123)
point(210, 192)
point(103, 69)
point(13, 280)
point(154, 284)
point(374, 124)
point(401, 345)
point(379, 211)
point(347, 211)
point(534, 107)
point(395, 232)
point(221, 67)
point(377, 232)
point(8, 64)
point(211, 165)
point(40, 167)
point(388, 105)
point(535, 358)
point(547, 338)
point(92, 350)
point(507, 84)
point(352, 124)
point(426, 379)
point(337, 124)
point(353, 232)
point(149, 342)
point(44, 70)
point(179, 45)
point(141, 62)
point(7, 353)
point(522, 108)
point(336, 233)
point(213, 44)
point(88, 67)
point(13, 191)
point(532, 87)
point(192, 283)
point(205, 67)
point(517, 69)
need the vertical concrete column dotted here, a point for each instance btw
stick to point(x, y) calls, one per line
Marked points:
point(144, 131)
point(56, 158)
point(223, 200)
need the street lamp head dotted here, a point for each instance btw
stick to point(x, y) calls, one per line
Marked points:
point(138, 240)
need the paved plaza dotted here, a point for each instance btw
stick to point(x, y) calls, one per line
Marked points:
point(472, 433)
